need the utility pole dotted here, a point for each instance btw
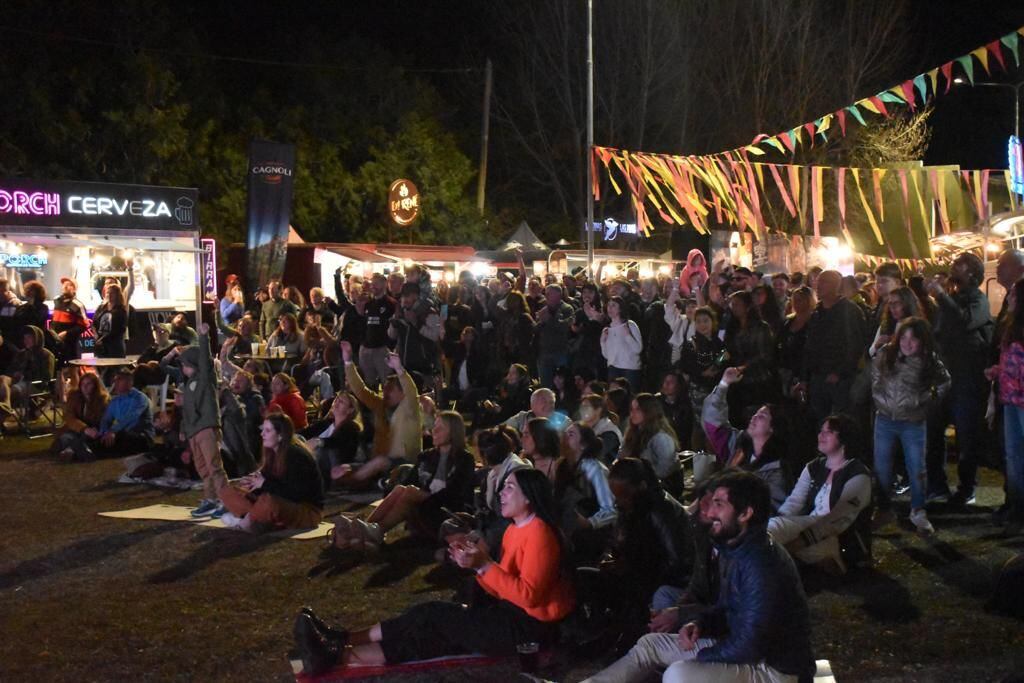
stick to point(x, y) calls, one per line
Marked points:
point(590, 138)
point(485, 134)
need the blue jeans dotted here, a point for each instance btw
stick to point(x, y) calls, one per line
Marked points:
point(546, 366)
point(666, 596)
point(1013, 430)
point(912, 436)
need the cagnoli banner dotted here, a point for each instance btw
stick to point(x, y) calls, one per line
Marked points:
point(271, 178)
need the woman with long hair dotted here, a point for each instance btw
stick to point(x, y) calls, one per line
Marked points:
point(907, 377)
point(288, 335)
point(826, 521)
point(650, 437)
point(762, 447)
point(621, 343)
point(767, 304)
point(285, 397)
point(286, 492)
point(586, 328)
point(1010, 373)
point(793, 337)
point(515, 332)
point(293, 294)
point(83, 411)
point(111, 323)
point(522, 597)
point(699, 361)
point(542, 447)
point(902, 303)
point(675, 402)
point(593, 414)
point(337, 443)
point(34, 311)
point(750, 345)
point(583, 494)
point(443, 477)
point(232, 307)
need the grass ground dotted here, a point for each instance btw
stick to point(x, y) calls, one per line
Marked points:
point(88, 598)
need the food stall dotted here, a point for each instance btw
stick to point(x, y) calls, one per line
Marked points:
point(144, 235)
point(614, 262)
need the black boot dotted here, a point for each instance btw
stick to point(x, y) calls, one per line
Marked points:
point(338, 635)
point(317, 653)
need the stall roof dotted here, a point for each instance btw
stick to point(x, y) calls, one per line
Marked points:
point(366, 253)
point(423, 253)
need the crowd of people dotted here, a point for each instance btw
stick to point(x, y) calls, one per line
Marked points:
point(537, 431)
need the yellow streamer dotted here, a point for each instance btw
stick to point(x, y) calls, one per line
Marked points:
point(867, 206)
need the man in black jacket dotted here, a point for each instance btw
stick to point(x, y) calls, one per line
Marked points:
point(835, 345)
point(655, 332)
point(758, 629)
point(964, 334)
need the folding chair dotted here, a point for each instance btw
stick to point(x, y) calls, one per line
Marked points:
point(42, 399)
point(157, 394)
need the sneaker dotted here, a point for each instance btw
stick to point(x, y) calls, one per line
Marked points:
point(317, 653)
point(205, 507)
point(938, 496)
point(882, 519)
point(919, 518)
point(230, 521)
point(370, 532)
point(219, 511)
point(962, 497)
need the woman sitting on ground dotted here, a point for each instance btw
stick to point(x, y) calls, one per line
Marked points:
point(594, 415)
point(444, 481)
point(82, 414)
point(826, 520)
point(760, 448)
point(286, 492)
point(336, 440)
point(523, 597)
point(583, 494)
point(650, 437)
point(286, 397)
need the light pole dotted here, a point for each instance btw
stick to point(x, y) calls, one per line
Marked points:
point(590, 138)
point(1015, 87)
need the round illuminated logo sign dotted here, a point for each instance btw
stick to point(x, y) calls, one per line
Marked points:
point(403, 201)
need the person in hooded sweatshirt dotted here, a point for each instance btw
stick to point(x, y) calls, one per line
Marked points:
point(200, 422)
point(695, 265)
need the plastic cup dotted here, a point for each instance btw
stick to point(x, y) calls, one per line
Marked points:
point(528, 656)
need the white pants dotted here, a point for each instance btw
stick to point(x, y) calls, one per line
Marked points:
point(786, 529)
point(657, 651)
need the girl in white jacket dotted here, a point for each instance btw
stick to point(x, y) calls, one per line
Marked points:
point(621, 345)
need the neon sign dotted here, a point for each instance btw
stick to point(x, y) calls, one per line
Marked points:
point(23, 260)
point(30, 203)
point(208, 267)
point(1016, 158)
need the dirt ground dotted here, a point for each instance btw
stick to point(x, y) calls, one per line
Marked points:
point(88, 598)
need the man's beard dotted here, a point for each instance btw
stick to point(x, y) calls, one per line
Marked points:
point(726, 532)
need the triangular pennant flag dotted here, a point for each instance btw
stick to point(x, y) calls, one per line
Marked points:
point(922, 87)
point(809, 127)
point(823, 124)
point(790, 139)
point(1012, 41)
point(997, 52)
point(856, 113)
point(841, 115)
point(877, 101)
point(934, 75)
point(968, 64)
point(870, 104)
point(776, 143)
point(893, 95)
point(753, 149)
point(908, 93)
point(982, 54)
point(947, 71)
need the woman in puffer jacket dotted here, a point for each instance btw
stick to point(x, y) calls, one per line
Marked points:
point(906, 377)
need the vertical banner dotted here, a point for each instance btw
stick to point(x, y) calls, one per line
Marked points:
point(208, 269)
point(271, 180)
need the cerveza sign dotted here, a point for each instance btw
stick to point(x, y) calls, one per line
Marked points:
point(96, 205)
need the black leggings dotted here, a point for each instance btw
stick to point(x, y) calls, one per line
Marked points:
point(439, 629)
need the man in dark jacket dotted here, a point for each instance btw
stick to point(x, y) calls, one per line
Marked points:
point(835, 345)
point(552, 334)
point(655, 332)
point(964, 332)
point(759, 628)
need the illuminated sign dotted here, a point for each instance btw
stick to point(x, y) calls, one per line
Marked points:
point(98, 205)
point(32, 261)
point(403, 201)
point(208, 269)
point(611, 229)
point(1016, 155)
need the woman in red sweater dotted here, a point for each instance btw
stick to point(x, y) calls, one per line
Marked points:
point(286, 396)
point(524, 596)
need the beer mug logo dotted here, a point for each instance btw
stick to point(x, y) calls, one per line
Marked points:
point(184, 210)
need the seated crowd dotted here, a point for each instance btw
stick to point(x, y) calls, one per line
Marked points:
point(537, 432)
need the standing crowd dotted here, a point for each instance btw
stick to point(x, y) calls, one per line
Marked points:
point(538, 431)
